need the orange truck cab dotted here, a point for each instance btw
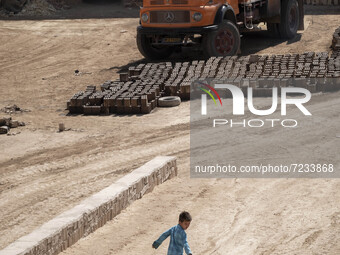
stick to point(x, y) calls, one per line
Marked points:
point(211, 25)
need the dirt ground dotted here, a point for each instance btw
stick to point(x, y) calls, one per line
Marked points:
point(44, 172)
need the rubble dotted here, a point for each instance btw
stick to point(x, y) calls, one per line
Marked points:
point(133, 3)
point(13, 109)
point(37, 8)
point(12, 6)
point(6, 123)
point(62, 4)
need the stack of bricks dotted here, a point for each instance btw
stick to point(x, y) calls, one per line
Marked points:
point(80, 99)
point(334, 60)
point(138, 90)
point(322, 2)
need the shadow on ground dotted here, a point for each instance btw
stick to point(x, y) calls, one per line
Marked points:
point(322, 10)
point(251, 43)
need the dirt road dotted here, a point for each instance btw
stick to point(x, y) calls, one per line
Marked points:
point(43, 172)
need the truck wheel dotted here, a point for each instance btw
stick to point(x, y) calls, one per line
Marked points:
point(289, 19)
point(152, 52)
point(13, 5)
point(225, 41)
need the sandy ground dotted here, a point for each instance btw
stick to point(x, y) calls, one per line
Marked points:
point(43, 172)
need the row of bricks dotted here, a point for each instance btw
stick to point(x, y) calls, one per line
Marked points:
point(97, 98)
point(132, 108)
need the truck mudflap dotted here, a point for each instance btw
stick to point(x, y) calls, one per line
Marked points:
point(175, 31)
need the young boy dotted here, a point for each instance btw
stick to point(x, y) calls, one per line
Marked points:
point(178, 237)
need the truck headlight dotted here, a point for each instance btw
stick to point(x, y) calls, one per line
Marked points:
point(197, 16)
point(145, 17)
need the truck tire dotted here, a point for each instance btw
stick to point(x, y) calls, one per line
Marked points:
point(151, 52)
point(170, 101)
point(13, 5)
point(289, 19)
point(225, 41)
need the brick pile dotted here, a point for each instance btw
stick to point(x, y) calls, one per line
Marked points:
point(138, 90)
point(7, 123)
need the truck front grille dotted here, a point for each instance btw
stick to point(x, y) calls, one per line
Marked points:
point(170, 17)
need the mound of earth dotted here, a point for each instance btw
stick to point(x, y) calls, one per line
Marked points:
point(35, 7)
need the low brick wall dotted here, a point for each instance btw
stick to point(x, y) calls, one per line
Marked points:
point(91, 214)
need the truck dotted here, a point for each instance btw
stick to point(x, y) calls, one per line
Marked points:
point(213, 26)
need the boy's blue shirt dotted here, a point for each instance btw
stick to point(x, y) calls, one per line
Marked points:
point(178, 241)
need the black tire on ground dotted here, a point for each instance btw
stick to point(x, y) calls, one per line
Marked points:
point(13, 5)
point(152, 52)
point(289, 19)
point(225, 41)
point(273, 30)
point(169, 101)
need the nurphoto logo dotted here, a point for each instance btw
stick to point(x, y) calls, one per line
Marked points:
point(238, 98)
